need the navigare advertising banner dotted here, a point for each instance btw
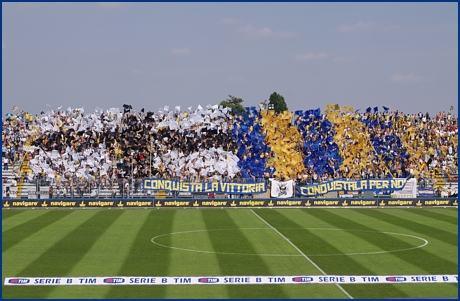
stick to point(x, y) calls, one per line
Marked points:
point(229, 203)
point(228, 280)
point(206, 187)
point(350, 185)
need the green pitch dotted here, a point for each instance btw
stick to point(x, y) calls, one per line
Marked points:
point(230, 242)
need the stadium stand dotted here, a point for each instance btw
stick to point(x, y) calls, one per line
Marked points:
point(107, 153)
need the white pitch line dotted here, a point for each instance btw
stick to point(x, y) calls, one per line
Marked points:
point(305, 256)
point(286, 255)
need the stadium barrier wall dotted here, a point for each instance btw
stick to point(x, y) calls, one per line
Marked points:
point(227, 203)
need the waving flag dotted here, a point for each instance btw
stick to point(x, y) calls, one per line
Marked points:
point(282, 189)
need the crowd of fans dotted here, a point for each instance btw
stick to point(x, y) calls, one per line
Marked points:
point(77, 151)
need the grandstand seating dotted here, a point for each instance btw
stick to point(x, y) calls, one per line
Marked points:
point(211, 144)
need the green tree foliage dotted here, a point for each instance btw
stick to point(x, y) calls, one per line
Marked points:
point(279, 105)
point(234, 103)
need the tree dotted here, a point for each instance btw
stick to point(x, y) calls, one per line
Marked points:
point(279, 105)
point(233, 103)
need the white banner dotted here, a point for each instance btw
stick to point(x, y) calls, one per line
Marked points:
point(282, 189)
point(28, 148)
point(409, 190)
point(209, 280)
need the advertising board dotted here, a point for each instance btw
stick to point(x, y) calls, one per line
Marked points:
point(227, 203)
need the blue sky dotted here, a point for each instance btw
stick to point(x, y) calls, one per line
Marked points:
point(150, 55)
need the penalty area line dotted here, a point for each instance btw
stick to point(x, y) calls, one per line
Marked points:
point(301, 253)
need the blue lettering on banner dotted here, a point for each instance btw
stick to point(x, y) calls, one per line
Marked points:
point(183, 280)
point(333, 279)
point(370, 279)
point(146, 280)
point(424, 278)
point(226, 280)
point(277, 279)
point(236, 280)
point(47, 281)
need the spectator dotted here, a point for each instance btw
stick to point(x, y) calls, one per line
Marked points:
point(7, 192)
point(5, 163)
point(50, 192)
point(255, 145)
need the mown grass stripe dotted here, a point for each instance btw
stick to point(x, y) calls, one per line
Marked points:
point(22, 217)
point(387, 264)
point(235, 265)
point(25, 252)
point(29, 249)
point(452, 212)
point(65, 254)
point(266, 241)
point(332, 265)
point(417, 257)
point(189, 263)
point(20, 232)
point(455, 210)
point(303, 254)
point(145, 258)
point(9, 213)
point(434, 214)
point(428, 217)
point(390, 216)
point(105, 256)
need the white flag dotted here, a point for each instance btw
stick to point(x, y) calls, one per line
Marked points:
point(282, 189)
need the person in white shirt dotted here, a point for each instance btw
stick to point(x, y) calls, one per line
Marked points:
point(5, 163)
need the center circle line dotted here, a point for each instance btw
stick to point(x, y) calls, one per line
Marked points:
point(288, 255)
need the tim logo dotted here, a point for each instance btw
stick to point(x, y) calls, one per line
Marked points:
point(302, 279)
point(18, 281)
point(114, 280)
point(208, 280)
point(396, 279)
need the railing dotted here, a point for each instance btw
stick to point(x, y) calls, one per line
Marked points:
point(116, 188)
